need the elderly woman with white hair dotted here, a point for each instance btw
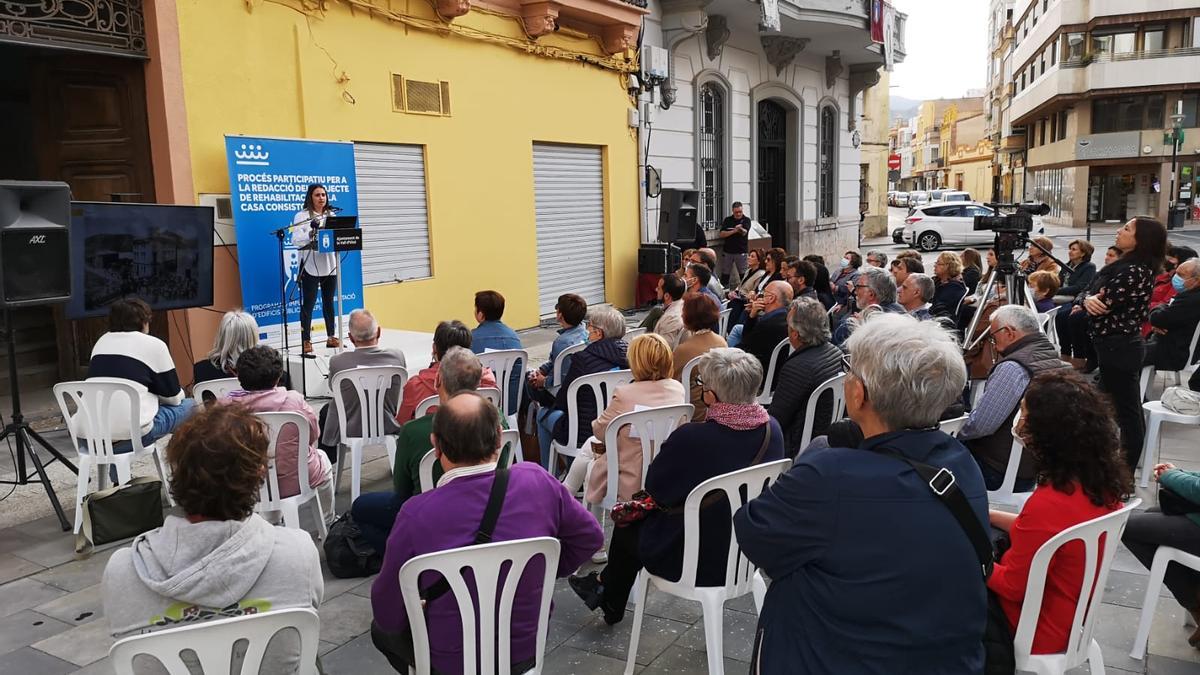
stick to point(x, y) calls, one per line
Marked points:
point(738, 433)
point(237, 332)
point(871, 571)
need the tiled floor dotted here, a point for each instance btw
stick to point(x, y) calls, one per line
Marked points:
point(51, 618)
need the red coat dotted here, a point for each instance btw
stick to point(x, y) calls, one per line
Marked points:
point(1047, 513)
point(1161, 295)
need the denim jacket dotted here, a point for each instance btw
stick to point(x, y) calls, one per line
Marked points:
point(567, 337)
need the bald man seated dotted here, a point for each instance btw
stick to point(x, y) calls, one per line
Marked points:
point(766, 322)
point(364, 335)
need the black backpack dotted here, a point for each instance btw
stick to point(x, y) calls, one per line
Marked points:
point(348, 553)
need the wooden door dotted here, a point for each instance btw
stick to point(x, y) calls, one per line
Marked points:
point(90, 131)
point(772, 170)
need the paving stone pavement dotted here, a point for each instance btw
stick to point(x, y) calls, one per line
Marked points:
point(51, 613)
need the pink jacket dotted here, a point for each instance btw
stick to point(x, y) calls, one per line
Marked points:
point(649, 393)
point(286, 450)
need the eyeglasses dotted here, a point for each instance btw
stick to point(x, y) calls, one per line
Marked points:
point(847, 369)
point(858, 286)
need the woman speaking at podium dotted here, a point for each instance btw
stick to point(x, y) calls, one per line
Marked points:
point(316, 269)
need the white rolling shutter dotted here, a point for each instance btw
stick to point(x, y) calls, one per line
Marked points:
point(392, 212)
point(569, 195)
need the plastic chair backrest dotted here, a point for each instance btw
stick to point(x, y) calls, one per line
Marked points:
point(425, 471)
point(602, 386)
point(653, 427)
point(216, 389)
point(723, 327)
point(632, 333)
point(739, 571)
point(511, 438)
point(504, 362)
point(685, 376)
point(372, 385)
point(428, 403)
point(561, 363)
point(951, 426)
point(1145, 379)
point(1107, 527)
point(1005, 493)
point(269, 496)
point(768, 383)
point(1192, 346)
point(94, 400)
point(491, 628)
point(213, 643)
point(834, 385)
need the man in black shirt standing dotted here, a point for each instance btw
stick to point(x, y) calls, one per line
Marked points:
point(734, 230)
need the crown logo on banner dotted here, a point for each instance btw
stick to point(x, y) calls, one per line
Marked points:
point(252, 155)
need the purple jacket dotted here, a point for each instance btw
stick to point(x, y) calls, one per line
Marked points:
point(447, 517)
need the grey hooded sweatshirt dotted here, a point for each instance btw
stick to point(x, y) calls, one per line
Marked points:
point(183, 572)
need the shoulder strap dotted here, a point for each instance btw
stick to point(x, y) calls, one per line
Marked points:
point(491, 513)
point(941, 482)
point(762, 451)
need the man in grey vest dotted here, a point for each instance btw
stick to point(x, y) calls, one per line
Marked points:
point(1024, 352)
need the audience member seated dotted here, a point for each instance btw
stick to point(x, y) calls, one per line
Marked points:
point(1175, 522)
point(915, 295)
point(877, 259)
point(737, 434)
point(375, 512)
point(870, 571)
point(260, 370)
point(466, 437)
point(493, 335)
point(219, 559)
point(237, 332)
point(1037, 260)
point(756, 270)
point(1067, 426)
point(1074, 340)
point(772, 266)
point(1024, 353)
point(684, 260)
point(801, 277)
point(652, 387)
point(697, 280)
point(766, 324)
point(698, 315)
point(972, 269)
point(569, 311)
point(813, 361)
point(949, 288)
point(708, 258)
point(423, 384)
point(1164, 287)
point(842, 285)
point(1174, 323)
point(605, 351)
point(1079, 256)
point(364, 335)
point(975, 298)
point(821, 281)
point(873, 287)
point(671, 290)
point(1044, 285)
point(902, 267)
point(128, 352)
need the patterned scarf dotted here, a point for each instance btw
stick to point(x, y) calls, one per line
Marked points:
point(739, 417)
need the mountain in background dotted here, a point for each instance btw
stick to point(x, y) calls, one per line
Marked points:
point(902, 107)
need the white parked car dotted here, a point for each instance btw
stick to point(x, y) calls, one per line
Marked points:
point(931, 226)
point(917, 198)
point(901, 199)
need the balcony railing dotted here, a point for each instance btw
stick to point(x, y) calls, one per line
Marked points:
point(1109, 57)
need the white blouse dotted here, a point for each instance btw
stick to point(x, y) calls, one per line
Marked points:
point(315, 264)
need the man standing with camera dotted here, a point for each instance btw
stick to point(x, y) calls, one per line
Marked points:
point(734, 230)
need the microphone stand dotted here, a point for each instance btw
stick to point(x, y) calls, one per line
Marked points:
point(279, 234)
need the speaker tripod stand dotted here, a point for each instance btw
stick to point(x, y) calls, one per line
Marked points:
point(21, 434)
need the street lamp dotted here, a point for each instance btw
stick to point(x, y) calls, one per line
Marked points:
point(1176, 135)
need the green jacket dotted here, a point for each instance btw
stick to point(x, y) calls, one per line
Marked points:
point(411, 445)
point(1186, 484)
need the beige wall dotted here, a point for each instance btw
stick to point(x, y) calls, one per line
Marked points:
point(874, 130)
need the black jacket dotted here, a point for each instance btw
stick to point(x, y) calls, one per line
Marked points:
point(762, 334)
point(598, 357)
point(971, 277)
point(1075, 282)
point(946, 297)
point(1180, 317)
point(803, 372)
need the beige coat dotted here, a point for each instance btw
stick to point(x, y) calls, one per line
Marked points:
point(650, 393)
point(686, 351)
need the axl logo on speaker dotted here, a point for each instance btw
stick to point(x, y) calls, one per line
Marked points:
point(37, 239)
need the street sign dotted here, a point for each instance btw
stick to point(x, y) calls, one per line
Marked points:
point(893, 162)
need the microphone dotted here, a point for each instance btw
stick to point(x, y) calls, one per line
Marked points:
point(335, 209)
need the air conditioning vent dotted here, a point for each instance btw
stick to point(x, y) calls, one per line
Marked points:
point(420, 97)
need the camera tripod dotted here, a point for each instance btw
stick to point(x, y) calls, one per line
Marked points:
point(19, 431)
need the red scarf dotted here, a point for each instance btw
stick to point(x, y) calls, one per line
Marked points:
point(739, 417)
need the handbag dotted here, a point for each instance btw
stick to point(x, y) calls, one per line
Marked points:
point(1181, 400)
point(642, 503)
point(118, 513)
point(350, 555)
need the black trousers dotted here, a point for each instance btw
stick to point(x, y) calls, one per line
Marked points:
point(308, 289)
point(624, 563)
point(1120, 358)
point(398, 648)
point(1151, 529)
point(1073, 337)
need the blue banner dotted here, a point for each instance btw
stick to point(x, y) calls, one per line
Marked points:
point(268, 178)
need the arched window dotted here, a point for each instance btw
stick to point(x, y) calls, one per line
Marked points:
point(711, 155)
point(828, 170)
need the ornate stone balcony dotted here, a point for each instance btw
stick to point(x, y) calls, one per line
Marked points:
point(615, 23)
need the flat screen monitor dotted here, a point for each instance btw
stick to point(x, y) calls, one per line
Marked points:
point(161, 253)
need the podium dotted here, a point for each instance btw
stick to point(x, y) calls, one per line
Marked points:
point(340, 234)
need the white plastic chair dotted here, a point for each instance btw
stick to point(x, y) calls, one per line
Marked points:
point(836, 385)
point(216, 389)
point(560, 363)
point(1046, 324)
point(1163, 556)
point(1144, 381)
point(1156, 414)
point(270, 498)
point(504, 362)
point(491, 627)
point(951, 426)
point(741, 576)
point(429, 402)
point(425, 467)
point(653, 427)
point(1182, 375)
point(511, 438)
point(768, 383)
point(685, 376)
point(631, 333)
point(372, 385)
point(1081, 647)
point(723, 327)
point(1005, 495)
point(213, 643)
point(601, 386)
point(92, 434)
point(425, 471)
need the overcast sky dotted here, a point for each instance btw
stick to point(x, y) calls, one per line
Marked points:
point(947, 48)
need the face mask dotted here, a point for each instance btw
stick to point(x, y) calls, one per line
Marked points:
point(845, 262)
point(1177, 283)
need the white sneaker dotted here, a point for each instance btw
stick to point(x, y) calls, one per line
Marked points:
point(600, 557)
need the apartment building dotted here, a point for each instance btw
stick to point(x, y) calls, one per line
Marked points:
point(1007, 141)
point(1095, 84)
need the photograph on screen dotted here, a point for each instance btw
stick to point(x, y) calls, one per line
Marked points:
point(162, 254)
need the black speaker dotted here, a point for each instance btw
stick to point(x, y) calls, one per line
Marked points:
point(677, 215)
point(35, 243)
point(659, 258)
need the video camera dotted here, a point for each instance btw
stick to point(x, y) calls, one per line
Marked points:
point(1012, 229)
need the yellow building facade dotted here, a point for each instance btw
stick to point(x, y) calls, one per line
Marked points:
point(325, 71)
